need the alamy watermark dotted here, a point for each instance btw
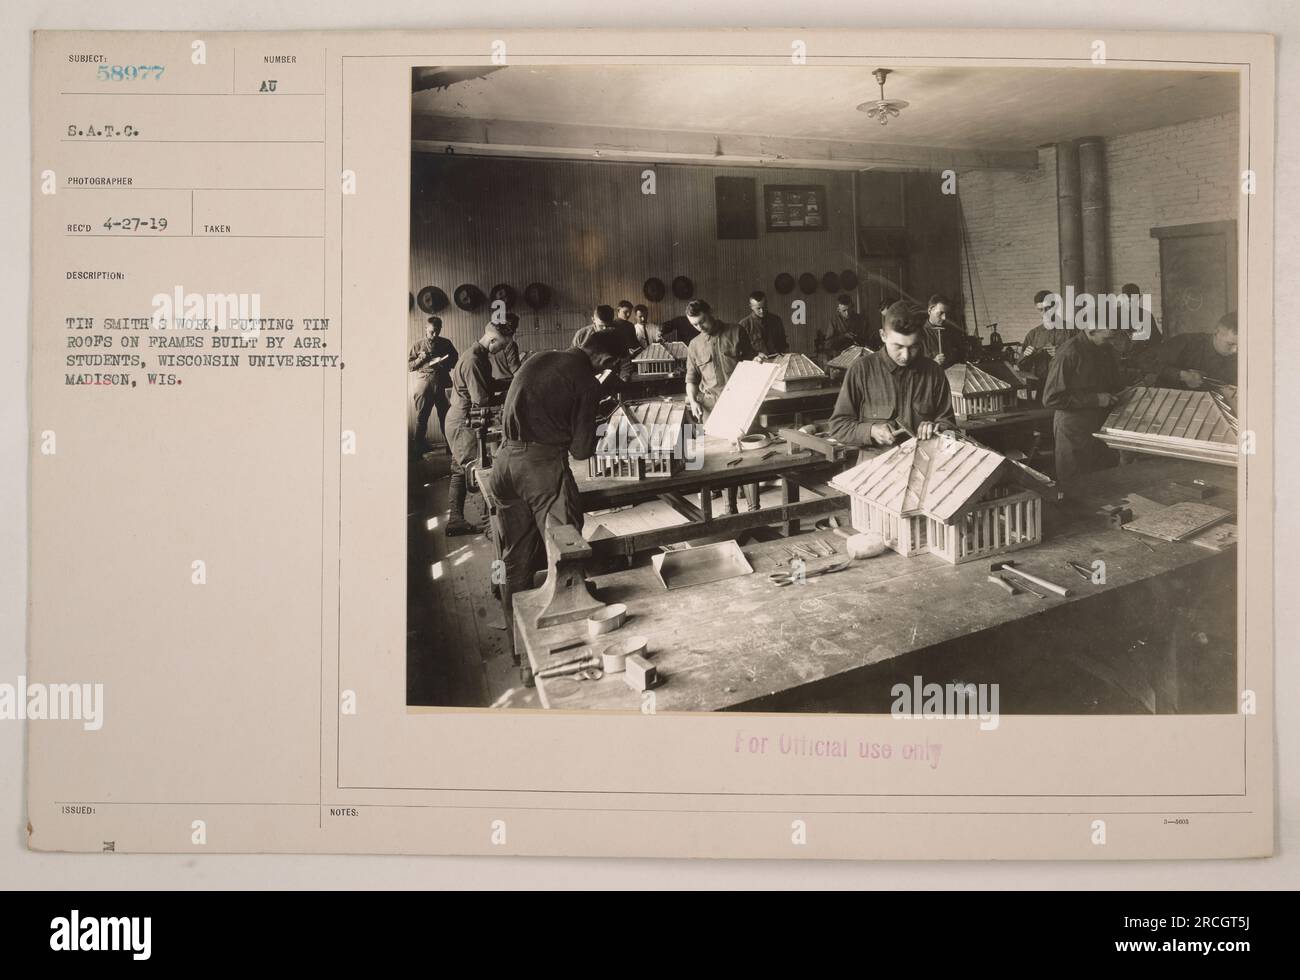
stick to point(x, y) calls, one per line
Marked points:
point(53, 702)
point(179, 310)
point(103, 933)
point(921, 700)
point(658, 440)
point(1130, 313)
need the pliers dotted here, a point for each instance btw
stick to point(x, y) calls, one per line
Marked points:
point(1083, 571)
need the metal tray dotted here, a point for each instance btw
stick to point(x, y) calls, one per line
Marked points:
point(699, 566)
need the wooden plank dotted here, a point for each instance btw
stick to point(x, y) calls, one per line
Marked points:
point(602, 493)
point(632, 544)
point(683, 506)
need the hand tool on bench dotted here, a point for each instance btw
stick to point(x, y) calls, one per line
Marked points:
point(999, 581)
point(1010, 566)
point(587, 655)
point(1080, 569)
point(559, 670)
point(789, 578)
point(571, 645)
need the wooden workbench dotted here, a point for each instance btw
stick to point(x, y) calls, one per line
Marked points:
point(806, 405)
point(797, 471)
point(840, 642)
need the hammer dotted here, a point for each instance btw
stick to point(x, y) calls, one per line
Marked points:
point(1010, 566)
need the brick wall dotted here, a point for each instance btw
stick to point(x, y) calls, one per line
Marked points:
point(1011, 223)
point(1175, 175)
point(1169, 176)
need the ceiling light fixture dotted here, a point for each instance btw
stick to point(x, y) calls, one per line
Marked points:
point(882, 109)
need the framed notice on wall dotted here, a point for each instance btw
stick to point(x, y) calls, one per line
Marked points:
point(795, 207)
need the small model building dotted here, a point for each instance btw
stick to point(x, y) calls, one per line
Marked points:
point(975, 392)
point(1026, 385)
point(678, 350)
point(952, 497)
point(642, 439)
point(656, 361)
point(797, 371)
point(845, 358)
point(1200, 425)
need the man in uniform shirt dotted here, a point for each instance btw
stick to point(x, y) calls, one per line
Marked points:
point(506, 361)
point(943, 341)
point(549, 415)
point(710, 360)
point(1196, 360)
point(602, 318)
point(602, 321)
point(1139, 312)
point(1080, 387)
point(625, 325)
point(845, 329)
point(472, 386)
point(646, 332)
point(894, 391)
point(682, 328)
point(766, 331)
point(1138, 340)
point(711, 357)
point(431, 361)
point(1042, 336)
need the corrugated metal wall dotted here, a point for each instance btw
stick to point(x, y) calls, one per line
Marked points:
point(586, 230)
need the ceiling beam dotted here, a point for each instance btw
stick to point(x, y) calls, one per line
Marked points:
point(436, 134)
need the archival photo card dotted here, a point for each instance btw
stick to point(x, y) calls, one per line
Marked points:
point(792, 444)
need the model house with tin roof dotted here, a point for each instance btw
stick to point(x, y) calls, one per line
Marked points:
point(1200, 425)
point(642, 439)
point(976, 392)
point(948, 496)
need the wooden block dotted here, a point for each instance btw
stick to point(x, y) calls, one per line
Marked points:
point(639, 673)
point(1117, 516)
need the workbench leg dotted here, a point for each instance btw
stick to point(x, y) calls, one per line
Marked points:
point(751, 496)
point(706, 506)
point(517, 649)
point(1182, 638)
point(790, 495)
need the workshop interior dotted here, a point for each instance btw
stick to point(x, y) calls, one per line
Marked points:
point(769, 389)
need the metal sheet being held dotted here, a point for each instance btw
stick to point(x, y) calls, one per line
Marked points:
point(699, 566)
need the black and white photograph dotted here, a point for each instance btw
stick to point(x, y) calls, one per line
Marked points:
point(558, 448)
point(788, 388)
